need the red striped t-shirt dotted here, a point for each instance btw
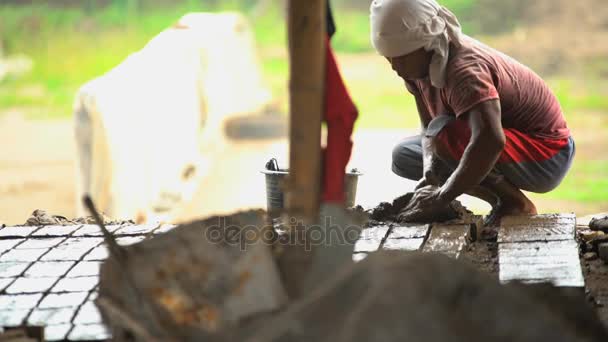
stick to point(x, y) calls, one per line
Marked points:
point(478, 73)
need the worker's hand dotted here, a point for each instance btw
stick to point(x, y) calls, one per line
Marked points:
point(426, 205)
point(429, 179)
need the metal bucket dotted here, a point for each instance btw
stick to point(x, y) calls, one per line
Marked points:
point(275, 199)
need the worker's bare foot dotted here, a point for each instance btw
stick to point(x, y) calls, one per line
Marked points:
point(504, 208)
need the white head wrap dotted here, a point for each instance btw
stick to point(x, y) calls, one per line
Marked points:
point(400, 27)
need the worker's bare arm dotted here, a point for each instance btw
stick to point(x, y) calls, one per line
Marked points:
point(428, 158)
point(480, 156)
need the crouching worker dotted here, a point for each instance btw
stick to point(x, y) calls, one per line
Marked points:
point(491, 127)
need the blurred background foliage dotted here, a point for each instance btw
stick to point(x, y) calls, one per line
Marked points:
point(73, 41)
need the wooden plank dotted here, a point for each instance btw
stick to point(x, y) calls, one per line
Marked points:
point(306, 29)
point(448, 239)
point(556, 262)
point(549, 227)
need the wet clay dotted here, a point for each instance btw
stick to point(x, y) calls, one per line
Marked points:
point(390, 211)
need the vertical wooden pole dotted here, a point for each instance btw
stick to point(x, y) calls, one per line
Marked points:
point(306, 21)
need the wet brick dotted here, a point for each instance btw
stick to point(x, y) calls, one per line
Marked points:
point(403, 244)
point(48, 269)
point(164, 228)
point(72, 249)
point(31, 285)
point(22, 255)
point(26, 301)
point(97, 254)
point(85, 268)
point(57, 230)
point(12, 269)
point(12, 318)
point(56, 332)
point(62, 300)
point(6, 245)
point(4, 282)
point(94, 230)
point(51, 316)
point(76, 284)
point(359, 256)
point(88, 314)
point(89, 332)
point(40, 243)
point(129, 240)
point(17, 231)
point(140, 229)
point(367, 245)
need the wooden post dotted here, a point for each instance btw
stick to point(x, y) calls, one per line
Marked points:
point(306, 21)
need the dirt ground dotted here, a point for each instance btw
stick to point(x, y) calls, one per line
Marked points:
point(596, 280)
point(484, 256)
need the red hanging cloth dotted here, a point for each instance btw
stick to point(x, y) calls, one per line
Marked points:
point(340, 115)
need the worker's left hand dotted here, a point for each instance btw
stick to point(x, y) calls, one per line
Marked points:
point(426, 204)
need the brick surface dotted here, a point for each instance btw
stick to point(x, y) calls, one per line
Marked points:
point(17, 231)
point(40, 243)
point(51, 316)
point(139, 229)
point(556, 262)
point(57, 230)
point(62, 300)
point(12, 302)
point(48, 269)
point(374, 233)
point(94, 230)
point(4, 282)
point(97, 254)
point(21, 255)
point(359, 256)
point(8, 244)
point(72, 249)
point(403, 244)
point(11, 317)
point(85, 268)
point(88, 314)
point(539, 248)
point(31, 285)
point(449, 240)
point(367, 245)
point(79, 284)
point(57, 332)
point(409, 231)
point(12, 268)
point(164, 228)
point(548, 227)
point(88, 332)
point(129, 240)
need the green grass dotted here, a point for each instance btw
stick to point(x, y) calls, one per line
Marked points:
point(586, 182)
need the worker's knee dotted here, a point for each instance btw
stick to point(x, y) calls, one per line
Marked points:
point(407, 158)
